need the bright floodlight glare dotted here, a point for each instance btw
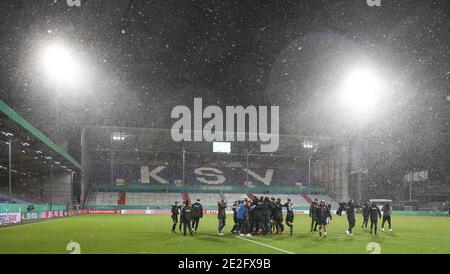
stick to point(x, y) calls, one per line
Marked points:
point(118, 137)
point(60, 64)
point(361, 90)
point(308, 144)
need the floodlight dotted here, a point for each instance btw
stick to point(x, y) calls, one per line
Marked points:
point(361, 91)
point(60, 64)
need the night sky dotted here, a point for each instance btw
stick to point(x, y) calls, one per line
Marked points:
point(146, 57)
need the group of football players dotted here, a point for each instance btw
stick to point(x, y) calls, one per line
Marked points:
point(261, 215)
point(264, 216)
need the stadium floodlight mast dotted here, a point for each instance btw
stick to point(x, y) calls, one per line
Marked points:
point(360, 93)
point(9, 170)
point(309, 145)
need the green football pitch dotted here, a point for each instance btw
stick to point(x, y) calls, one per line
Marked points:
point(151, 234)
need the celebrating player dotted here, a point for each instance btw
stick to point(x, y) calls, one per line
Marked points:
point(244, 215)
point(235, 209)
point(278, 216)
point(350, 211)
point(313, 215)
point(289, 215)
point(322, 213)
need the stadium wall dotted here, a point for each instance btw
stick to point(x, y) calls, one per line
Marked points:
point(6, 208)
point(91, 209)
point(17, 213)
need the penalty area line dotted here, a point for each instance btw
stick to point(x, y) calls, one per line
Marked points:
point(268, 246)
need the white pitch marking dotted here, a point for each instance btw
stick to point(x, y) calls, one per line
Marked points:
point(269, 246)
point(32, 223)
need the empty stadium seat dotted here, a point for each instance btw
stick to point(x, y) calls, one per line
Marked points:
point(210, 200)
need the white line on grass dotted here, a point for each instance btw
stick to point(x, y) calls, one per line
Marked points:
point(31, 223)
point(269, 246)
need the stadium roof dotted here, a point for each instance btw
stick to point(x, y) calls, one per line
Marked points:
point(32, 152)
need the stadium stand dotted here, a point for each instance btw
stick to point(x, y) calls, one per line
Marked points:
point(4, 198)
point(164, 174)
point(41, 170)
point(160, 185)
point(328, 199)
point(209, 200)
point(103, 198)
point(146, 168)
point(231, 197)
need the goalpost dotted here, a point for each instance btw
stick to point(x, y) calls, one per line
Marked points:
point(381, 202)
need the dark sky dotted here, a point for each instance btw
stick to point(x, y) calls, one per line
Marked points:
point(146, 57)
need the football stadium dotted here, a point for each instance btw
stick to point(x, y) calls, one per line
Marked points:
point(132, 127)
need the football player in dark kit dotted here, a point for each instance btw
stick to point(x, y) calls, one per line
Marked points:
point(322, 214)
point(350, 212)
point(175, 211)
point(387, 210)
point(273, 224)
point(289, 215)
point(278, 216)
point(254, 222)
point(259, 215)
point(221, 216)
point(245, 223)
point(235, 208)
point(313, 215)
point(180, 208)
point(197, 214)
point(375, 214)
point(265, 209)
point(256, 218)
point(365, 214)
point(186, 216)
